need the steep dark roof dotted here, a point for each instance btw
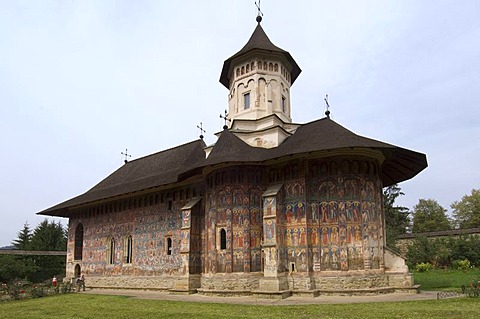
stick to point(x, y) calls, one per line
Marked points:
point(147, 172)
point(400, 164)
point(258, 41)
point(177, 163)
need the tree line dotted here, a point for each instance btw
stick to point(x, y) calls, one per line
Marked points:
point(429, 216)
point(47, 236)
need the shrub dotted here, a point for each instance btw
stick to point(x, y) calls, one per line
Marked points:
point(423, 267)
point(463, 265)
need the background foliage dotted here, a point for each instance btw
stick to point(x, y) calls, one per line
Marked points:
point(47, 236)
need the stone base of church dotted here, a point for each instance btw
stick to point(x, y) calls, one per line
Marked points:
point(255, 284)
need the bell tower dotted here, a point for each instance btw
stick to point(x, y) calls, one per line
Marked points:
point(258, 78)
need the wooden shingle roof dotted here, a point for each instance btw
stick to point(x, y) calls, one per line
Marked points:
point(151, 171)
point(172, 165)
point(258, 41)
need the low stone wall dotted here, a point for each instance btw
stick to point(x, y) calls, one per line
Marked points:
point(232, 281)
point(132, 282)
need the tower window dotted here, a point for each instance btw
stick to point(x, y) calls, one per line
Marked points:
point(284, 104)
point(246, 101)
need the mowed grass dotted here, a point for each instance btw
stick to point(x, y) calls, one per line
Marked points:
point(101, 306)
point(450, 280)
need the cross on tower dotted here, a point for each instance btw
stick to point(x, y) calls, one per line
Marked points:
point(327, 112)
point(201, 130)
point(260, 13)
point(225, 118)
point(126, 155)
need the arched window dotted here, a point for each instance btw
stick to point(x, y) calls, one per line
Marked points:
point(259, 65)
point(111, 251)
point(78, 251)
point(223, 239)
point(247, 68)
point(128, 251)
point(238, 72)
point(265, 66)
point(275, 67)
point(169, 245)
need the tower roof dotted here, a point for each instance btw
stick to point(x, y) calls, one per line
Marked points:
point(258, 41)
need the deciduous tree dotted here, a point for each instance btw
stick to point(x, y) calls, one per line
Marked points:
point(467, 211)
point(429, 215)
point(397, 220)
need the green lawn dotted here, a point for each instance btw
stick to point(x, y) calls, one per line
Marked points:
point(100, 306)
point(450, 280)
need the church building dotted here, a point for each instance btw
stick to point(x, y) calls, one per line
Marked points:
point(273, 208)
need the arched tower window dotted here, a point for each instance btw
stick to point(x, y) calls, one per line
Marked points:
point(111, 251)
point(78, 251)
point(223, 239)
point(128, 252)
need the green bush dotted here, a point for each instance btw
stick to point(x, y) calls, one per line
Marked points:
point(463, 265)
point(423, 267)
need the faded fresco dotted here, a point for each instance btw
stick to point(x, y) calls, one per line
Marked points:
point(234, 205)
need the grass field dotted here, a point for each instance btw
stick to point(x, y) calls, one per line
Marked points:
point(450, 280)
point(100, 306)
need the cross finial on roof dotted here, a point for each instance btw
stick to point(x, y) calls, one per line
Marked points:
point(225, 118)
point(260, 13)
point(126, 155)
point(327, 112)
point(201, 130)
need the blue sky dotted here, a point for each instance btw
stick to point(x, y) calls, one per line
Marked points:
point(80, 81)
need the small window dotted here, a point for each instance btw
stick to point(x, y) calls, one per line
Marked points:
point(128, 252)
point(284, 104)
point(246, 101)
point(111, 251)
point(169, 205)
point(169, 246)
point(223, 239)
point(78, 251)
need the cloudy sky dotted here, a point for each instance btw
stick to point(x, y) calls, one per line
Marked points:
point(81, 81)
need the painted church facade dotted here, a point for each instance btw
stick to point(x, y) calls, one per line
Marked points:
point(273, 208)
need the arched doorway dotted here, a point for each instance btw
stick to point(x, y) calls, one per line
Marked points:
point(78, 270)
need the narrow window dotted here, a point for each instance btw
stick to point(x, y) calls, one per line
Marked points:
point(111, 251)
point(275, 67)
point(284, 107)
point(259, 65)
point(169, 205)
point(169, 245)
point(246, 101)
point(247, 68)
point(223, 239)
point(128, 250)
point(78, 251)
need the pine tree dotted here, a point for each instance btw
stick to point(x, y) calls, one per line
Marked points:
point(24, 238)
